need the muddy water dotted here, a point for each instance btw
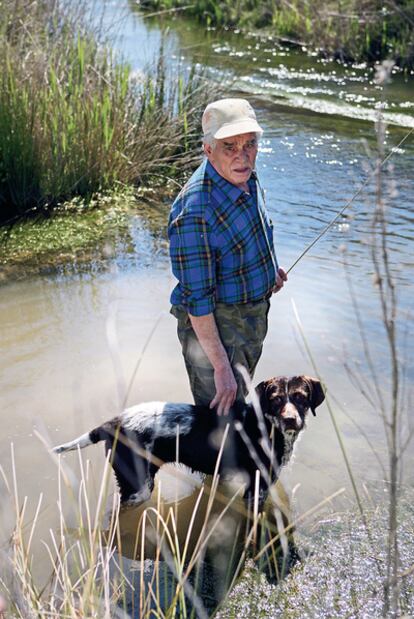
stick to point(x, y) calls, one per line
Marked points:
point(70, 341)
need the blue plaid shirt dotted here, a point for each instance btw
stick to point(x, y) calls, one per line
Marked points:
point(218, 246)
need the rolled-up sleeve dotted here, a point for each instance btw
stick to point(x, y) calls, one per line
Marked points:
point(193, 262)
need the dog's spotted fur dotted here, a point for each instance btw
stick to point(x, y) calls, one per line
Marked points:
point(145, 436)
point(160, 419)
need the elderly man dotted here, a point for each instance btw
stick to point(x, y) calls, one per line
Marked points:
point(221, 247)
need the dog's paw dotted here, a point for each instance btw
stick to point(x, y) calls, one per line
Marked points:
point(137, 498)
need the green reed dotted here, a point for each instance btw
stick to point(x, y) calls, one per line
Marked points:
point(74, 119)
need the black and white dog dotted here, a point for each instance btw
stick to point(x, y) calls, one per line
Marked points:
point(148, 435)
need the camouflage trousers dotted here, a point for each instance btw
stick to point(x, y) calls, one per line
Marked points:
point(242, 329)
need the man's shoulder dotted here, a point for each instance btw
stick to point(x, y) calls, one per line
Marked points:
point(195, 196)
point(198, 184)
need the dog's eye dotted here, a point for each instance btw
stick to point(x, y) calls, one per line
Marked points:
point(299, 398)
point(277, 399)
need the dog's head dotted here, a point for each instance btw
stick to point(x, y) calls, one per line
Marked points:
point(286, 400)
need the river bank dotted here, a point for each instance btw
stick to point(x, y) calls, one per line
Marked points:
point(85, 235)
point(340, 571)
point(348, 31)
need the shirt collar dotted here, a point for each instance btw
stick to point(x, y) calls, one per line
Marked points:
point(228, 188)
point(252, 182)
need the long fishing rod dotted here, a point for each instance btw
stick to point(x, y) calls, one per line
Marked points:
point(331, 223)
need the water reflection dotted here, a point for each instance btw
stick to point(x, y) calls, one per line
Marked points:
point(202, 532)
point(265, 67)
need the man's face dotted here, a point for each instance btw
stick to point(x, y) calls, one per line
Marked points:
point(234, 158)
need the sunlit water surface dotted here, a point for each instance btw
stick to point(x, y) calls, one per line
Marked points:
point(71, 341)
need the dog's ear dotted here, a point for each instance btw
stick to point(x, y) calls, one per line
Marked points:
point(317, 394)
point(261, 391)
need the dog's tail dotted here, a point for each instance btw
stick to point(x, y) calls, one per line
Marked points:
point(90, 438)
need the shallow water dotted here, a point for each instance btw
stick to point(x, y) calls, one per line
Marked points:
point(70, 341)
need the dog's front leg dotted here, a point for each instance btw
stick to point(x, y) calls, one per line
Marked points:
point(255, 499)
point(256, 492)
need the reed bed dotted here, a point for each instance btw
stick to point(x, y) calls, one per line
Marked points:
point(75, 119)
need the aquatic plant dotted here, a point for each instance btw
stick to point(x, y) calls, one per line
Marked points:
point(75, 120)
point(340, 576)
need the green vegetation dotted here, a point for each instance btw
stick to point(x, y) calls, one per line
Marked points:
point(350, 30)
point(78, 232)
point(75, 120)
point(83, 232)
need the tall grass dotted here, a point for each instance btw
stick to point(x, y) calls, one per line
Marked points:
point(346, 29)
point(89, 574)
point(73, 118)
point(184, 557)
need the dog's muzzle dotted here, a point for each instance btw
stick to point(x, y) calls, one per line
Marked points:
point(291, 425)
point(291, 433)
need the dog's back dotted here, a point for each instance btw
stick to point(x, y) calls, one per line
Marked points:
point(148, 435)
point(157, 420)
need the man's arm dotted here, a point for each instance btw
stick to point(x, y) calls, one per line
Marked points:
point(193, 263)
point(207, 334)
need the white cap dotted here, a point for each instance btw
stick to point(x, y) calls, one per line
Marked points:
point(227, 117)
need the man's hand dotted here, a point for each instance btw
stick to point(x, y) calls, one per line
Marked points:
point(281, 278)
point(206, 331)
point(226, 389)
